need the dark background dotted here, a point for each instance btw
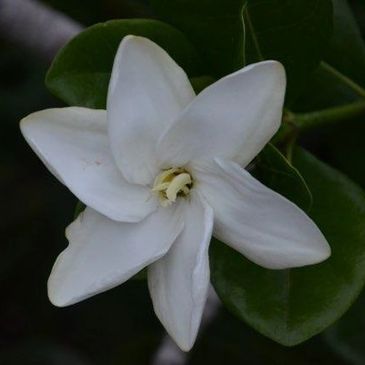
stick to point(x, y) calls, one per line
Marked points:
point(117, 327)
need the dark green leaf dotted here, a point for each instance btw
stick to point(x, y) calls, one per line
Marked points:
point(214, 26)
point(344, 58)
point(346, 336)
point(80, 73)
point(324, 90)
point(141, 275)
point(201, 82)
point(347, 50)
point(275, 171)
point(290, 306)
point(80, 207)
point(294, 32)
point(225, 342)
point(345, 145)
point(345, 142)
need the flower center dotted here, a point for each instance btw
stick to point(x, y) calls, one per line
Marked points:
point(171, 183)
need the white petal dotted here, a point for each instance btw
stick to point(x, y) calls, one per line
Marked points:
point(73, 143)
point(179, 281)
point(147, 91)
point(233, 118)
point(103, 253)
point(259, 223)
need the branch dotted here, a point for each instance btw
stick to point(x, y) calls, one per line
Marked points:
point(36, 27)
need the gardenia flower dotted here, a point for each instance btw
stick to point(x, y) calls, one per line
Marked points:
point(160, 171)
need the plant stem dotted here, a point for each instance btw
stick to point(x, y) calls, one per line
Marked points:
point(294, 123)
point(344, 79)
point(323, 117)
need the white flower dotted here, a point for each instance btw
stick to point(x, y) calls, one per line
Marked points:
point(157, 170)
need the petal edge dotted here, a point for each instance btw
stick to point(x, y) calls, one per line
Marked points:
point(259, 223)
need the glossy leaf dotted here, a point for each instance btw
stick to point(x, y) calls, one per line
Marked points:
point(347, 54)
point(290, 306)
point(79, 208)
point(214, 26)
point(201, 82)
point(81, 71)
point(275, 171)
point(346, 336)
point(347, 49)
point(344, 143)
point(344, 59)
point(324, 90)
point(293, 32)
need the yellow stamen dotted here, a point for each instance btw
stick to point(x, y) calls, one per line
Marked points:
point(176, 185)
point(164, 176)
point(171, 183)
point(161, 187)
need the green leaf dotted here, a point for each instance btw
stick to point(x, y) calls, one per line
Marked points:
point(347, 49)
point(324, 90)
point(81, 71)
point(345, 142)
point(345, 145)
point(214, 26)
point(275, 171)
point(345, 64)
point(290, 306)
point(141, 275)
point(79, 208)
point(201, 82)
point(294, 32)
point(346, 336)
